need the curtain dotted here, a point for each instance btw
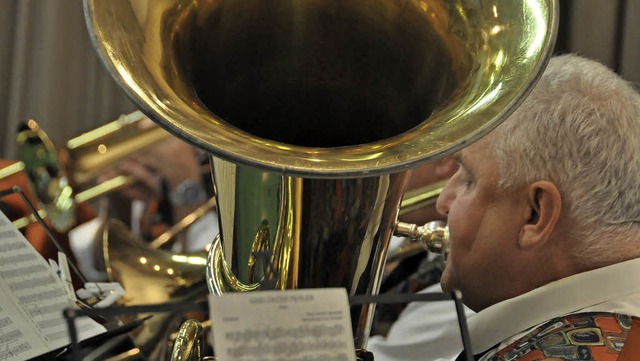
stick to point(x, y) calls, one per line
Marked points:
point(607, 31)
point(50, 72)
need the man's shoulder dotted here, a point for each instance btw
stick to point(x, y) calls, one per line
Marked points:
point(596, 336)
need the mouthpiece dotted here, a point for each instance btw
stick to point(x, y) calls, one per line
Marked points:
point(434, 236)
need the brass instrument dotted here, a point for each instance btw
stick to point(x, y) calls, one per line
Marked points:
point(90, 153)
point(191, 336)
point(152, 276)
point(313, 111)
point(61, 185)
point(12, 169)
point(421, 197)
point(432, 237)
point(182, 224)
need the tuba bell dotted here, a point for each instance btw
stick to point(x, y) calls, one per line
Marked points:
point(313, 112)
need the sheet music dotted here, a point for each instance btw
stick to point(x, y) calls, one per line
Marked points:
point(31, 301)
point(291, 325)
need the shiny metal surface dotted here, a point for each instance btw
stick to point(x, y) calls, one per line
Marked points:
point(86, 195)
point(170, 235)
point(12, 169)
point(151, 276)
point(330, 88)
point(310, 232)
point(61, 177)
point(433, 236)
point(189, 342)
point(421, 197)
point(314, 109)
point(90, 153)
point(49, 182)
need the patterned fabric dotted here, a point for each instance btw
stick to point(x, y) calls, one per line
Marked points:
point(594, 336)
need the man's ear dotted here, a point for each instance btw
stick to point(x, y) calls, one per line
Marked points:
point(544, 206)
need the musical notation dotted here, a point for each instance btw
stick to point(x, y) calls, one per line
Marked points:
point(15, 352)
point(27, 284)
point(10, 246)
point(287, 349)
point(10, 336)
point(4, 322)
point(23, 271)
point(279, 333)
point(38, 310)
point(32, 299)
point(18, 258)
point(292, 325)
point(42, 296)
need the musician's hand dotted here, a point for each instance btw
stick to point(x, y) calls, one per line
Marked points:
point(145, 181)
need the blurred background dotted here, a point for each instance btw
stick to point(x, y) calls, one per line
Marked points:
point(49, 71)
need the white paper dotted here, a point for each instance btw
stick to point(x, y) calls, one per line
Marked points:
point(292, 325)
point(32, 301)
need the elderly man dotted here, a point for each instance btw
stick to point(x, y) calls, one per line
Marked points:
point(544, 218)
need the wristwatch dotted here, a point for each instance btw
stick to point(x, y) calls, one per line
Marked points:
point(188, 193)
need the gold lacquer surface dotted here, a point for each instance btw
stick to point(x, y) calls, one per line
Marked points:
point(47, 178)
point(313, 111)
point(90, 153)
point(282, 232)
point(189, 341)
point(151, 277)
point(328, 88)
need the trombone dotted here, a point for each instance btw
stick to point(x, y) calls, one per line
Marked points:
point(56, 181)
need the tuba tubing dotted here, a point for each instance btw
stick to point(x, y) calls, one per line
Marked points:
point(314, 111)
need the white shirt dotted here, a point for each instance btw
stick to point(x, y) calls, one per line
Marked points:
point(614, 288)
point(424, 331)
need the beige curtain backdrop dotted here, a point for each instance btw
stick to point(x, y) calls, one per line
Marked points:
point(49, 72)
point(607, 30)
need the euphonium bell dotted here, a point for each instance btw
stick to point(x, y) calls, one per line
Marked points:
point(313, 111)
point(151, 276)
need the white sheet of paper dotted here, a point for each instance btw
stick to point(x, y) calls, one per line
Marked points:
point(290, 325)
point(32, 301)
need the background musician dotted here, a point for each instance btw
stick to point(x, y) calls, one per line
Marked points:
point(169, 180)
point(167, 177)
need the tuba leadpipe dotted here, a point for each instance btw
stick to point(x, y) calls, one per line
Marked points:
point(314, 111)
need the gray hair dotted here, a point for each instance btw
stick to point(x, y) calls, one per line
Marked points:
point(579, 128)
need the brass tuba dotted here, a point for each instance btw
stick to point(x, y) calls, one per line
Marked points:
point(314, 110)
